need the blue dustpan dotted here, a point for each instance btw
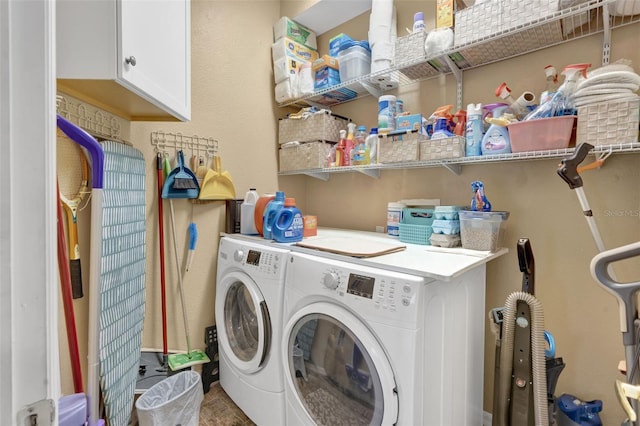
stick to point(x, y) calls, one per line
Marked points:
point(181, 182)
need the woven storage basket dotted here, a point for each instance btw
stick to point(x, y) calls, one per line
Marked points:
point(416, 234)
point(409, 51)
point(310, 155)
point(492, 17)
point(321, 126)
point(399, 148)
point(439, 149)
point(608, 123)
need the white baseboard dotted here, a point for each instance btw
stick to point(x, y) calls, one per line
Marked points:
point(486, 419)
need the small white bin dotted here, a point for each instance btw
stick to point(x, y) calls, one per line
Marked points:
point(175, 400)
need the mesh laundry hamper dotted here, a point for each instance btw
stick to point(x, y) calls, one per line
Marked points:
point(173, 401)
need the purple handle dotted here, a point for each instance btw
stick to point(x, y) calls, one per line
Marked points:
point(92, 146)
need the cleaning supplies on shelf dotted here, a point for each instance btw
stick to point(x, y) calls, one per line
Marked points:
point(520, 106)
point(341, 148)
point(496, 138)
point(551, 85)
point(443, 121)
point(360, 152)
point(350, 143)
point(386, 113)
point(247, 208)
point(461, 122)
point(562, 102)
point(418, 22)
point(474, 130)
point(372, 145)
point(288, 225)
point(269, 214)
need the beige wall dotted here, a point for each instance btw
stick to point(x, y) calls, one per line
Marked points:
point(232, 101)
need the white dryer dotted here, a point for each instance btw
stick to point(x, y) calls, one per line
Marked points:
point(248, 311)
point(364, 345)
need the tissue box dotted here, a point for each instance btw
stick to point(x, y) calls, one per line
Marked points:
point(410, 122)
point(289, 28)
point(326, 72)
point(286, 47)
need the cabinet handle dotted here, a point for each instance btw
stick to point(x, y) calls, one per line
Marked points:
point(131, 60)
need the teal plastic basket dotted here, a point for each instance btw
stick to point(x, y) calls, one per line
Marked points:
point(417, 216)
point(415, 234)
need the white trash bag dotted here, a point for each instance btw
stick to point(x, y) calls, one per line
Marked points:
point(173, 401)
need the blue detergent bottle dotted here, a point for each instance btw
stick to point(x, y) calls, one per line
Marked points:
point(269, 213)
point(288, 225)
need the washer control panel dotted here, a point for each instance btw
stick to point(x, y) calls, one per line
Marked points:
point(264, 262)
point(375, 290)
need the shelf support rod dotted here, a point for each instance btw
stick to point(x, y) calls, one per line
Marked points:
point(324, 176)
point(606, 42)
point(373, 91)
point(457, 72)
point(456, 169)
point(374, 173)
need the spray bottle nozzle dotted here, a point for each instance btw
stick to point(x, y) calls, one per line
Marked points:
point(572, 71)
point(503, 92)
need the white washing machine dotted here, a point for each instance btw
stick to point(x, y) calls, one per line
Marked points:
point(248, 310)
point(364, 345)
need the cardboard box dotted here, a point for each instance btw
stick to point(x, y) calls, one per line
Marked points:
point(411, 122)
point(326, 72)
point(444, 13)
point(286, 47)
point(336, 41)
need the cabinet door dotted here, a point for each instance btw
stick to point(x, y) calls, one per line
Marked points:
point(154, 53)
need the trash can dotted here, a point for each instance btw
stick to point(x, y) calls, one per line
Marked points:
point(173, 401)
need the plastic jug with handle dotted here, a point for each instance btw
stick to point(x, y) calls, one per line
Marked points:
point(269, 213)
point(288, 224)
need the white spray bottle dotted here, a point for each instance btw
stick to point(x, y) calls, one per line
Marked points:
point(552, 81)
point(562, 102)
point(474, 130)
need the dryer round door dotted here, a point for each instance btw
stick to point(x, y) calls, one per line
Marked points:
point(244, 325)
point(336, 370)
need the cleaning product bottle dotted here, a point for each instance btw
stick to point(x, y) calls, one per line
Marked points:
point(418, 22)
point(552, 84)
point(496, 139)
point(288, 224)
point(372, 145)
point(461, 122)
point(360, 152)
point(443, 123)
point(269, 213)
point(562, 102)
point(474, 130)
point(340, 149)
point(350, 143)
point(247, 208)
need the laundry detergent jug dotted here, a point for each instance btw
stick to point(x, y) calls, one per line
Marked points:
point(288, 224)
point(269, 213)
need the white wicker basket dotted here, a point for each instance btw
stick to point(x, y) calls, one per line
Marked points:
point(321, 126)
point(608, 123)
point(409, 57)
point(311, 155)
point(439, 149)
point(399, 148)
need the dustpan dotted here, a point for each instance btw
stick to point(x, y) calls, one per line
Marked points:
point(181, 174)
point(217, 184)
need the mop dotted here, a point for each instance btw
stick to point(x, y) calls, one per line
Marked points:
point(172, 190)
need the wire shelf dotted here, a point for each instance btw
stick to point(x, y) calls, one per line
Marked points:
point(578, 21)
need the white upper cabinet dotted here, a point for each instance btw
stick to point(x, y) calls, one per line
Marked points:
point(130, 57)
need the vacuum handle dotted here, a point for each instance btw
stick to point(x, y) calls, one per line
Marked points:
point(568, 169)
point(527, 265)
point(624, 292)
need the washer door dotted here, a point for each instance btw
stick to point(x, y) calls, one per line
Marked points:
point(244, 325)
point(336, 369)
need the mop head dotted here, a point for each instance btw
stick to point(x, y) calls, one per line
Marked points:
point(180, 361)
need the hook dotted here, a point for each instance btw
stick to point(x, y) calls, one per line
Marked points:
point(599, 162)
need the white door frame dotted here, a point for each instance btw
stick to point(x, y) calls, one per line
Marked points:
point(28, 270)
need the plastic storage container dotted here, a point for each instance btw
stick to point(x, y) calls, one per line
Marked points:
point(482, 230)
point(354, 60)
point(175, 400)
point(541, 134)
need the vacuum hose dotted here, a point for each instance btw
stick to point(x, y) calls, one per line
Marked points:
point(539, 374)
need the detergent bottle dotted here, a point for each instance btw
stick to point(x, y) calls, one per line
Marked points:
point(340, 149)
point(461, 122)
point(474, 130)
point(562, 102)
point(496, 139)
point(288, 224)
point(443, 122)
point(247, 208)
point(360, 152)
point(349, 143)
point(269, 213)
point(372, 145)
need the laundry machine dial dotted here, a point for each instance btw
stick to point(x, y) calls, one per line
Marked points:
point(331, 280)
point(238, 255)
